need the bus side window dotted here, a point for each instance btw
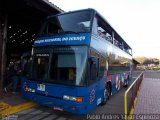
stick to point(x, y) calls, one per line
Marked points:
point(94, 69)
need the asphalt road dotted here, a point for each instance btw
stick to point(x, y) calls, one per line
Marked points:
point(114, 106)
point(152, 74)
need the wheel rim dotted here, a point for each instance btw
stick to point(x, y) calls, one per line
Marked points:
point(105, 95)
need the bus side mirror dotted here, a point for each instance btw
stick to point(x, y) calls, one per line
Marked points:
point(93, 60)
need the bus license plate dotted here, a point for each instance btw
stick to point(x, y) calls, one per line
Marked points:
point(41, 87)
point(58, 108)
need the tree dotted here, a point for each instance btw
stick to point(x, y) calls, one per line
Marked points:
point(141, 60)
point(155, 61)
point(147, 61)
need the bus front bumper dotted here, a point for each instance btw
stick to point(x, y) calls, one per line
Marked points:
point(56, 103)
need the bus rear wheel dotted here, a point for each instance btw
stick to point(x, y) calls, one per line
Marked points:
point(106, 94)
point(105, 97)
point(126, 82)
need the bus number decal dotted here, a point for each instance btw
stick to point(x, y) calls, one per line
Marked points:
point(92, 96)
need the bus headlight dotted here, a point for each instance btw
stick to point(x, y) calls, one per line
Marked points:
point(72, 98)
point(65, 97)
point(28, 89)
point(33, 91)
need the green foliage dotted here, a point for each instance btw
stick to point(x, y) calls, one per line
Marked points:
point(147, 61)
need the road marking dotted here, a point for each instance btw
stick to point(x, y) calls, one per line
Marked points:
point(38, 117)
point(3, 106)
point(27, 111)
point(51, 117)
point(155, 79)
point(14, 109)
point(30, 115)
point(61, 118)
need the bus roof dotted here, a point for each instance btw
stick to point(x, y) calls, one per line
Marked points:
point(110, 28)
point(89, 9)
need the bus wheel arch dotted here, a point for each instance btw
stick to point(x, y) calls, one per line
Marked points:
point(106, 93)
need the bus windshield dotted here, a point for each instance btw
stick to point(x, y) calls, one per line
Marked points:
point(67, 65)
point(67, 23)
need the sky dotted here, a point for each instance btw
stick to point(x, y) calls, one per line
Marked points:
point(136, 21)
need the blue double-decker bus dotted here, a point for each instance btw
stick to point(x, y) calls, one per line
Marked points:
point(78, 62)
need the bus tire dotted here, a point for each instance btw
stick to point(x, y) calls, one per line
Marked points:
point(109, 88)
point(105, 96)
point(107, 93)
point(127, 82)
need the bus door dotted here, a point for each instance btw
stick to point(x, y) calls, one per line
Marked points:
point(93, 90)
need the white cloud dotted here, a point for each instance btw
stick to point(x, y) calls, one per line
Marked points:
point(137, 21)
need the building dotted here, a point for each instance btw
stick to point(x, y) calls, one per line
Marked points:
point(19, 24)
point(134, 65)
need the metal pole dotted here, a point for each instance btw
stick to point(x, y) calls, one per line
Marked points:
point(112, 37)
point(3, 53)
point(0, 49)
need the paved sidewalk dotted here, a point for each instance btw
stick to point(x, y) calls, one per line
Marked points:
point(148, 102)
